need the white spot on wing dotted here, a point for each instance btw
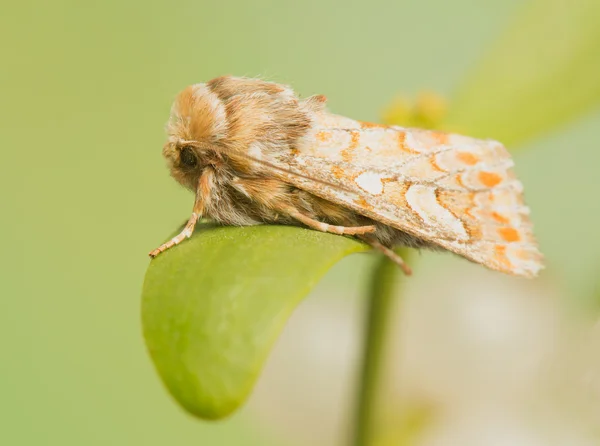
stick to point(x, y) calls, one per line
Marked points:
point(370, 182)
point(423, 201)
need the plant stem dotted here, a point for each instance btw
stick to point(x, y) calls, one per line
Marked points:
point(380, 300)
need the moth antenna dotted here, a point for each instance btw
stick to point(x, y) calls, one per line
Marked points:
point(290, 172)
point(267, 164)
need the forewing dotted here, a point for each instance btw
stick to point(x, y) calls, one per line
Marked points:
point(452, 190)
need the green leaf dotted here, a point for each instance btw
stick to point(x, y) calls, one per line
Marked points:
point(543, 72)
point(213, 307)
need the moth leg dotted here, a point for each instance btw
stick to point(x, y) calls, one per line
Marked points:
point(202, 194)
point(389, 253)
point(187, 232)
point(324, 227)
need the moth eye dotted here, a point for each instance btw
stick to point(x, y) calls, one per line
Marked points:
point(188, 157)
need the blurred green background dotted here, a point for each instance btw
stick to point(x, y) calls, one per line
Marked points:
point(85, 91)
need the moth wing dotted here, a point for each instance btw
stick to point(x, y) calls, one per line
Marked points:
point(458, 192)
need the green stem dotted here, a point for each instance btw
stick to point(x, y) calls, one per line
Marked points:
point(380, 302)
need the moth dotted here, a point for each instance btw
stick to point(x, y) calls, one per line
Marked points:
point(253, 152)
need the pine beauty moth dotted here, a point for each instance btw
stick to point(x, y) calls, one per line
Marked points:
point(253, 152)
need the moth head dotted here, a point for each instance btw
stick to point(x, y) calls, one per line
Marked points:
point(233, 118)
point(196, 127)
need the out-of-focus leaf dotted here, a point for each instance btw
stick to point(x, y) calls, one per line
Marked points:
point(213, 307)
point(543, 72)
point(428, 110)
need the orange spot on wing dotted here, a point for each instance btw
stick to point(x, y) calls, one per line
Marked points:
point(523, 254)
point(348, 153)
point(363, 204)
point(401, 140)
point(434, 164)
point(323, 136)
point(475, 232)
point(371, 125)
point(440, 137)
point(468, 213)
point(500, 218)
point(467, 158)
point(395, 192)
point(509, 234)
point(337, 172)
point(489, 179)
point(501, 257)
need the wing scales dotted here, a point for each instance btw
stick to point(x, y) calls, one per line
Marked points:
point(455, 191)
